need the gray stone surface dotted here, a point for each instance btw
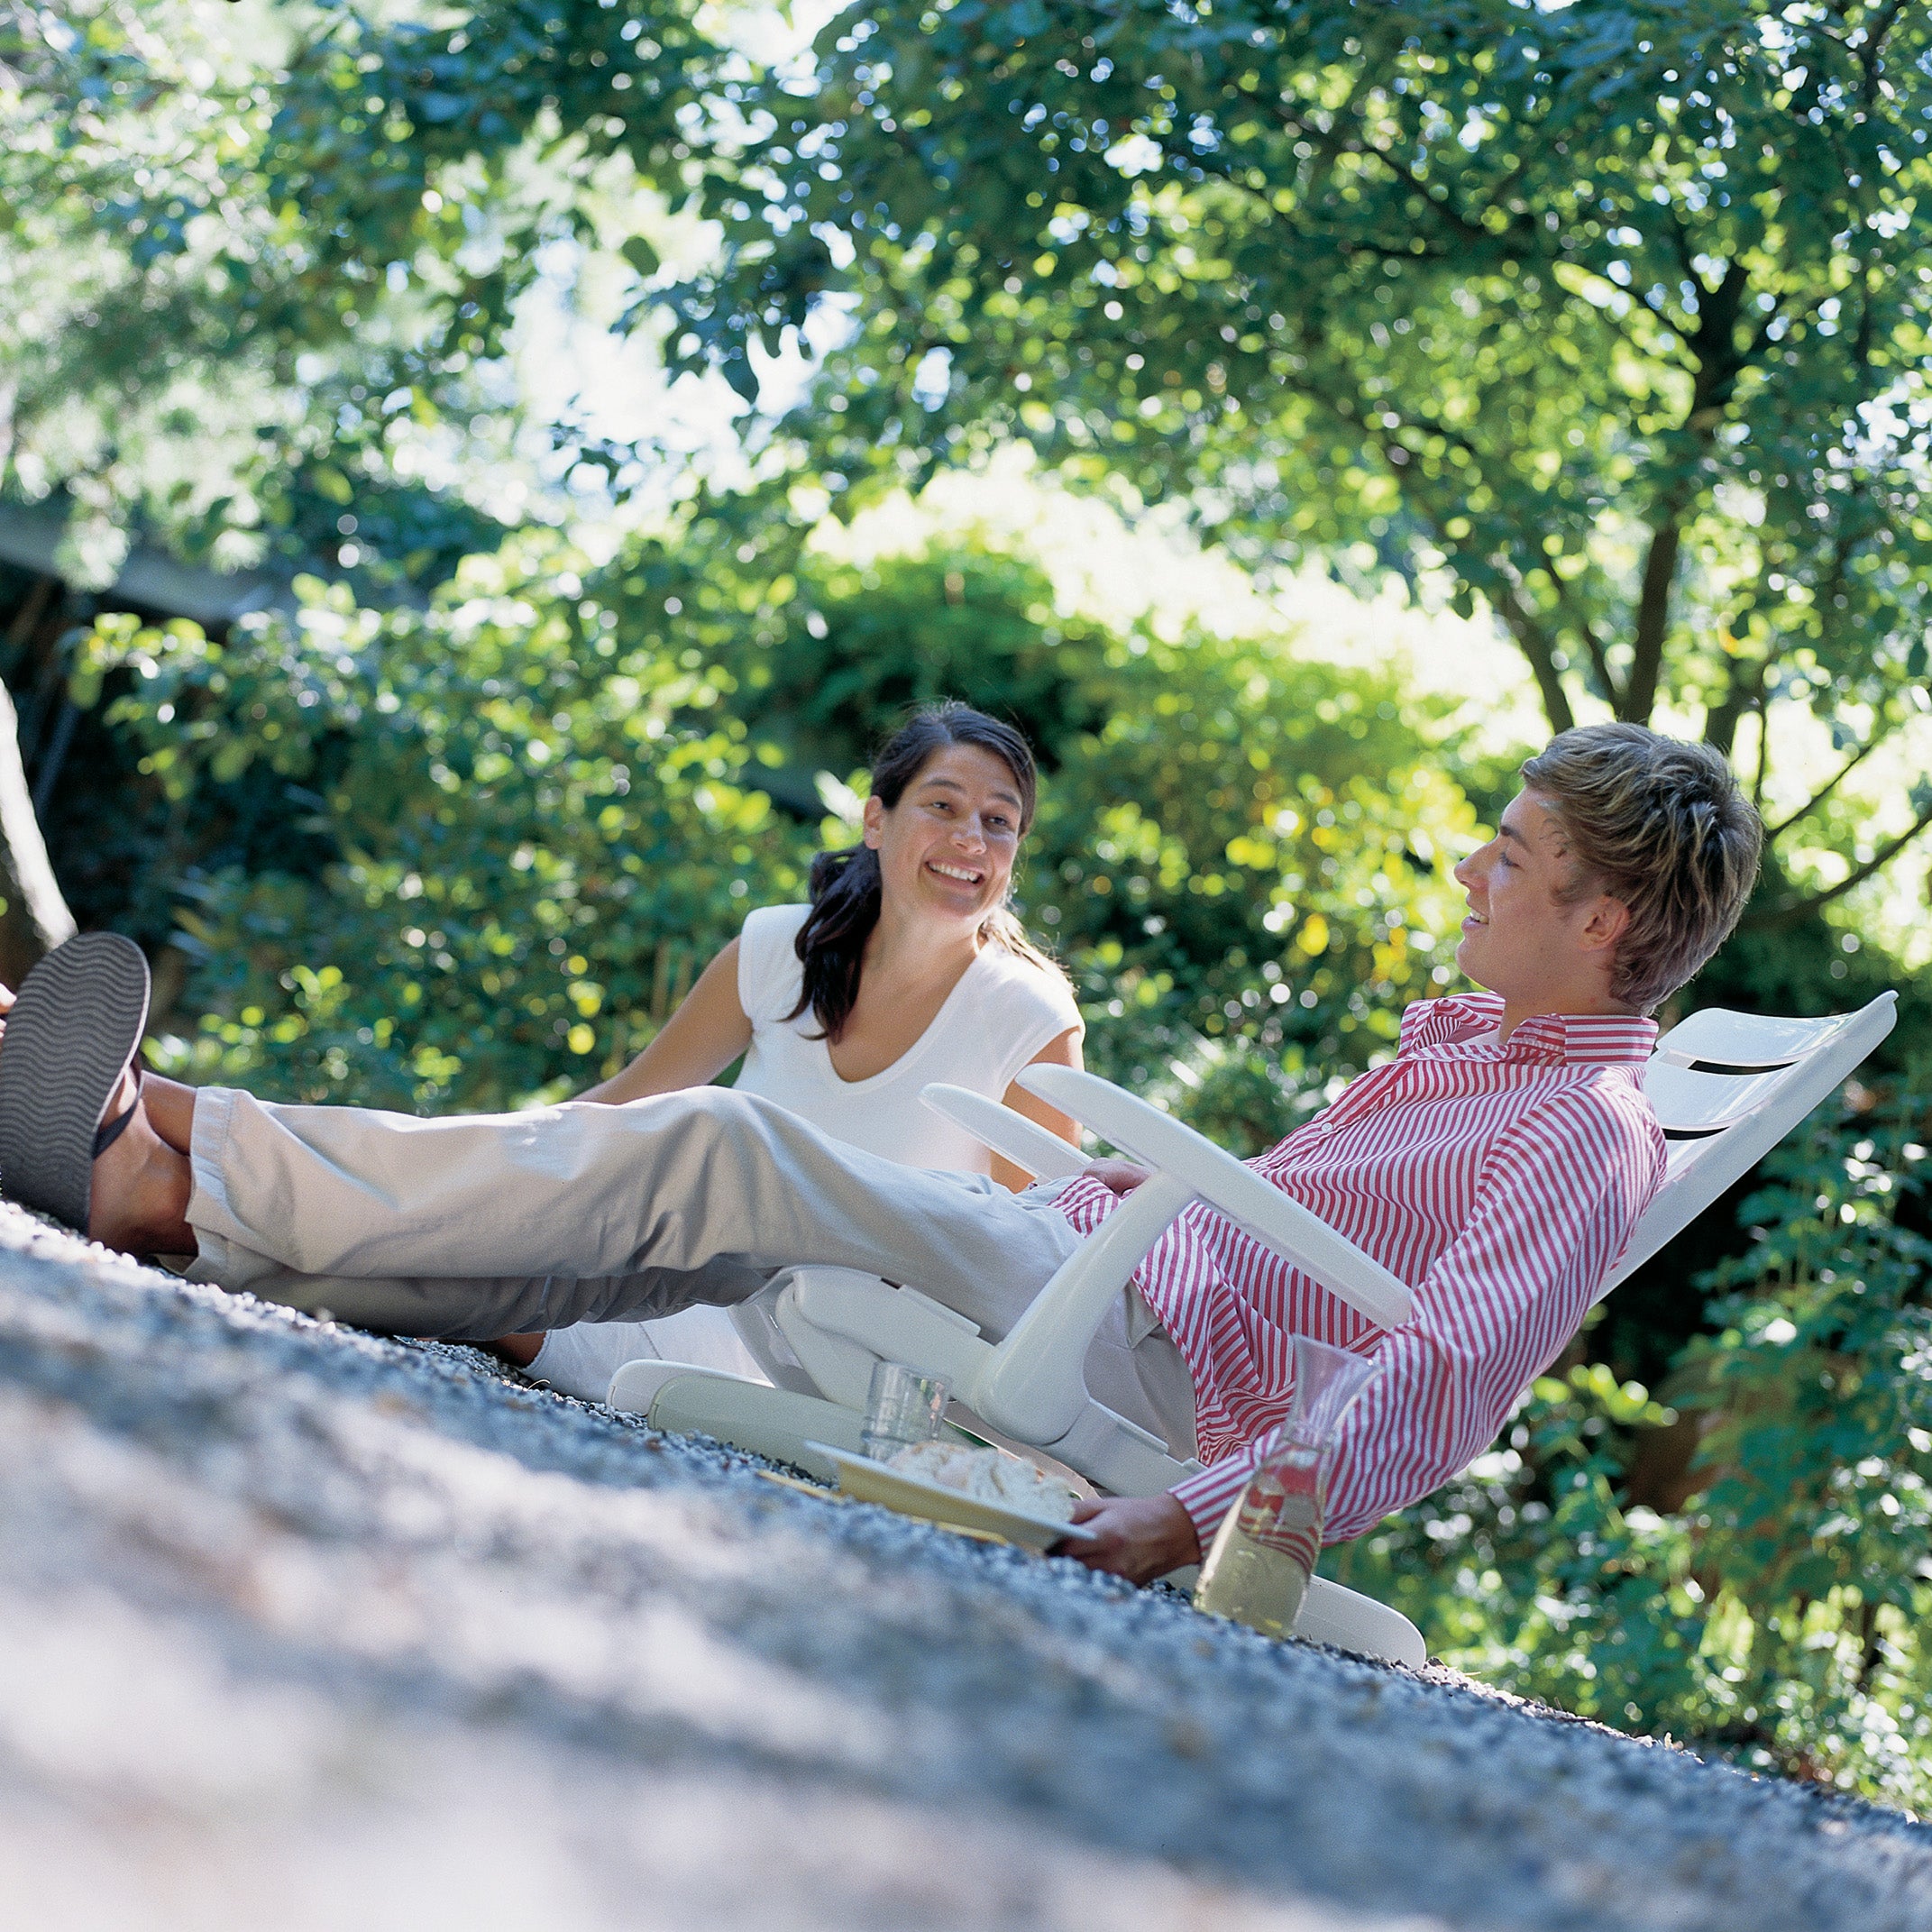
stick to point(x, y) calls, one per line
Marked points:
point(299, 1627)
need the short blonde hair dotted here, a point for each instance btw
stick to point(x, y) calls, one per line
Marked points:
point(1661, 827)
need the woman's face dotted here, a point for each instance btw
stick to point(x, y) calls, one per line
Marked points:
point(946, 849)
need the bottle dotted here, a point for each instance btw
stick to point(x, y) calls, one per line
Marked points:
point(1258, 1565)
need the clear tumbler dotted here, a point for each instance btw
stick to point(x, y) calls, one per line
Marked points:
point(1259, 1566)
point(903, 1406)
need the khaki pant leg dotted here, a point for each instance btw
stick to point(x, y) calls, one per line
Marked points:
point(476, 1226)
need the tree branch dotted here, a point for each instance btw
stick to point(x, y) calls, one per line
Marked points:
point(1716, 349)
point(1533, 642)
point(1680, 247)
point(1532, 638)
point(1825, 790)
point(1580, 622)
point(1743, 691)
point(1788, 911)
point(26, 873)
point(1305, 129)
point(1871, 54)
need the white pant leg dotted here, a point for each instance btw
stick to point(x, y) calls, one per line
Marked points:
point(1133, 1368)
point(580, 1359)
point(486, 1225)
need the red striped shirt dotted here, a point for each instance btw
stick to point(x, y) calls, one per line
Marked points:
point(1499, 1182)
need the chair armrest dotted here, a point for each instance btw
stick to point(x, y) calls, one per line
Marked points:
point(1024, 1142)
point(1158, 1141)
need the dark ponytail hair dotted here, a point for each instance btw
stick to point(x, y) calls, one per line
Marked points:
point(845, 886)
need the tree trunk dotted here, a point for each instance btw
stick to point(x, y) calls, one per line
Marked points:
point(1534, 643)
point(1743, 691)
point(36, 918)
point(1638, 698)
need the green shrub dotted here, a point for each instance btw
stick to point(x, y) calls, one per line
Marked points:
point(538, 839)
point(540, 803)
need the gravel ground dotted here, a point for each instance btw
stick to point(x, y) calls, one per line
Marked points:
point(300, 1627)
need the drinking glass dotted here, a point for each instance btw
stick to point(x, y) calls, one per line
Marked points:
point(903, 1406)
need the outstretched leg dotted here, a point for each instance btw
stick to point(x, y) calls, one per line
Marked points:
point(584, 1212)
point(171, 1108)
point(474, 1226)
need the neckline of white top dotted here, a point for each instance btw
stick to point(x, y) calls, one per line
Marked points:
point(919, 1046)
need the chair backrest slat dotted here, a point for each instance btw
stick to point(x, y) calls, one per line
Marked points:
point(1750, 1112)
point(1688, 1101)
point(1718, 1036)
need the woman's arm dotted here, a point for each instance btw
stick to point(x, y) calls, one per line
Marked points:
point(702, 1038)
point(1065, 1051)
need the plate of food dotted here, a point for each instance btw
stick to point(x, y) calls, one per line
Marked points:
point(969, 1487)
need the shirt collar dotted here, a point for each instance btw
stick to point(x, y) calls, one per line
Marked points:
point(1464, 1019)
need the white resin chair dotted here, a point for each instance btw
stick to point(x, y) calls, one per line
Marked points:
point(1727, 1087)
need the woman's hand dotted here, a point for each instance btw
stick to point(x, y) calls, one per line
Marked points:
point(1122, 1176)
point(1139, 1538)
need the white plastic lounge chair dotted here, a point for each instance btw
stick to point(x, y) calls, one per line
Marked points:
point(1726, 1086)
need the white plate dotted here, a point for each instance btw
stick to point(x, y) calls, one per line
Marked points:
point(867, 1481)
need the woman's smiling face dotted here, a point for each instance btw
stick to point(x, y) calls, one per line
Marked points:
point(947, 847)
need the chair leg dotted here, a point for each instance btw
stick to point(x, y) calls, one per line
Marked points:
point(1353, 1621)
point(769, 1422)
point(1033, 1385)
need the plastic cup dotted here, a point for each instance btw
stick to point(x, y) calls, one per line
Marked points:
point(902, 1407)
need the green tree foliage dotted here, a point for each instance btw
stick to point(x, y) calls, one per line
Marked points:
point(860, 642)
point(1616, 313)
point(450, 153)
point(534, 836)
point(126, 379)
point(157, 304)
point(237, 259)
point(1241, 866)
point(531, 815)
point(1613, 313)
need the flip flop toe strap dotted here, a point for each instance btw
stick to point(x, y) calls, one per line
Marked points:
point(109, 1132)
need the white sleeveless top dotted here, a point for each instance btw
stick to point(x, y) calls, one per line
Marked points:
point(995, 1020)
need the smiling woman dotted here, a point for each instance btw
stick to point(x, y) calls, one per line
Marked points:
point(905, 968)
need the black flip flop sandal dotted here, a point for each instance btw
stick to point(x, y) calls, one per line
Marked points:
point(75, 1027)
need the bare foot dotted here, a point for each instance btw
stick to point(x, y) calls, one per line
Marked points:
point(141, 1188)
point(518, 1351)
